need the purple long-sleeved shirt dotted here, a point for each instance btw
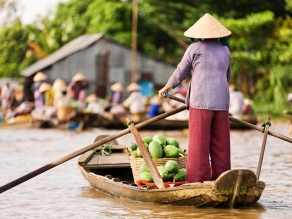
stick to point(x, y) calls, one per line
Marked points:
point(210, 63)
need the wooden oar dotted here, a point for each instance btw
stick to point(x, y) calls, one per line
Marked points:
point(146, 156)
point(283, 137)
point(266, 127)
point(85, 149)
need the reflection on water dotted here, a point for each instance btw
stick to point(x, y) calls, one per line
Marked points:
point(62, 192)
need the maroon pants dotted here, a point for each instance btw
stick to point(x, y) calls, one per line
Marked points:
point(209, 135)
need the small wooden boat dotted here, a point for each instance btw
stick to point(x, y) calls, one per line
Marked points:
point(246, 118)
point(22, 122)
point(113, 175)
point(287, 112)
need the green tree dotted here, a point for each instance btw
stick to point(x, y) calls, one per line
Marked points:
point(70, 21)
point(13, 47)
point(275, 82)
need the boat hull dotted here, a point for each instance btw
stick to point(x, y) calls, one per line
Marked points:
point(217, 193)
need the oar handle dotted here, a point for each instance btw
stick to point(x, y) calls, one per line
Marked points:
point(167, 95)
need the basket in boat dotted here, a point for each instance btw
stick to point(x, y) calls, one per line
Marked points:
point(137, 162)
point(64, 113)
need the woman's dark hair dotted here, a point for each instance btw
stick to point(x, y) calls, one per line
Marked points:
point(222, 40)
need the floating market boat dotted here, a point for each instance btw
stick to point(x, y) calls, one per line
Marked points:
point(287, 112)
point(113, 175)
point(246, 118)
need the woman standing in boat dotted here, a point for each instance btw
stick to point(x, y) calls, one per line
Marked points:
point(209, 61)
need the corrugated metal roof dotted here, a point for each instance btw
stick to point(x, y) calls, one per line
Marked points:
point(76, 45)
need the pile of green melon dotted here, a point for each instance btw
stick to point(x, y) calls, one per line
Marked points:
point(169, 172)
point(158, 146)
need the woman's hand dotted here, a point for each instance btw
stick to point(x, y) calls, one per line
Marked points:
point(163, 90)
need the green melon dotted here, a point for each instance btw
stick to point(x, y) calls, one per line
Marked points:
point(163, 172)
point(181, 152)
point(180, 175)
point(160, 139)
point(133, 146)
point(138, 153)
point(146, 176)
point(144, 168)
point(171, 151)
point(155, 150)
point(134, 153)
point(147, 139)
point(172, 141)
point(171, 166)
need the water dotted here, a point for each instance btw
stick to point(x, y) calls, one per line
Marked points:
point(62, 192)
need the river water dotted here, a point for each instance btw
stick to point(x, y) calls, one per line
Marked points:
point(62, 192)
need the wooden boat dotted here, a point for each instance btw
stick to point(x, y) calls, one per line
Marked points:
point(287, 112)
point(22, 122)
point(247, 118)
point(110, 121)
point(113, 175)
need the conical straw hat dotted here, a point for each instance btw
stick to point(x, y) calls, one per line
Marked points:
point(45, 87)
point(39, 77)
point(59, 85)
point(155, 100)
point(92, 98)
point(79, 77)
point(133, 87)
point(117, 87)
point(207, 27)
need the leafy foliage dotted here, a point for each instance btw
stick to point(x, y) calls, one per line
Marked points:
point(13, 47)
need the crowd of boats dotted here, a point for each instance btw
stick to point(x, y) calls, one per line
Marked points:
point(68, 107)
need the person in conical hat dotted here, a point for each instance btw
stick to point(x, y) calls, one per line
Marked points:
point(39, 77)
point(79, 77)
point(118, 89)
point(133, 87)
point(209, 62)
point(93, 105)
point(135, 100)
point(78, 83)
point(59, 85)
point(39, 98)
point(48, 92)
point(60, 98)
point(45, 87)
point(92, 98)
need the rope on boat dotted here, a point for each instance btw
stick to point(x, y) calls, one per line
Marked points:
point(264, 125)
